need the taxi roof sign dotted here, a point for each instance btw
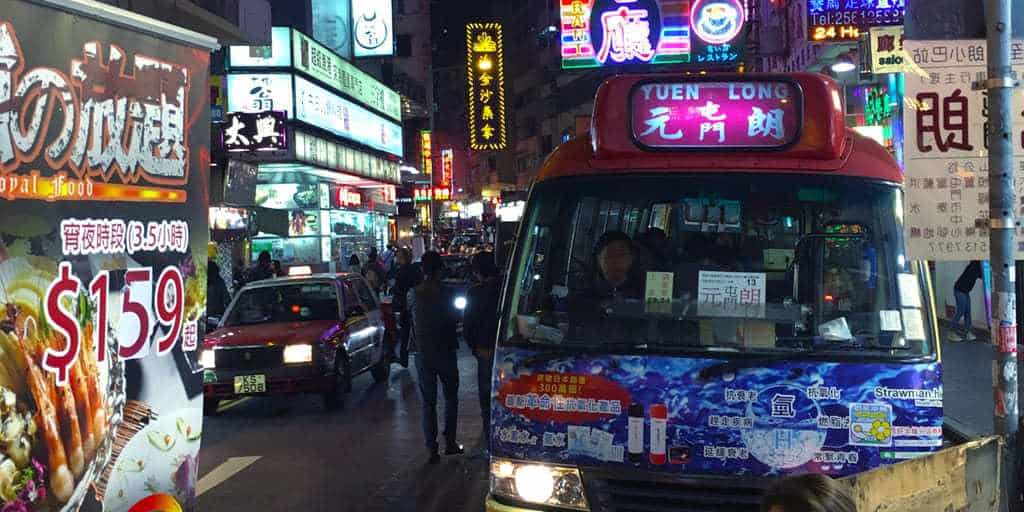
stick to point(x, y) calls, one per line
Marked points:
point(808, 125)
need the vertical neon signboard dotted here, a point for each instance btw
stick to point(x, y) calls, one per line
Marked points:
point(448, 170)
point(426, 153)
point(597, 33)
point(485, 73)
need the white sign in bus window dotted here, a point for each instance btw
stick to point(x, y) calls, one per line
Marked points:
point(731, 294)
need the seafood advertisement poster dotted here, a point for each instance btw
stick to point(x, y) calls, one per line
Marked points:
point(104, 155)
point(703, 416)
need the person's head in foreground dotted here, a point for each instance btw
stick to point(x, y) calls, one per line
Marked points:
point(808, 493)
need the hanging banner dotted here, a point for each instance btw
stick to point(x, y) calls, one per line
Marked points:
point(485, 73)
point(104, 158)
point(945, 150)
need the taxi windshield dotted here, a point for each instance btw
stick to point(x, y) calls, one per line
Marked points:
point(718, 263)
point(291, 302)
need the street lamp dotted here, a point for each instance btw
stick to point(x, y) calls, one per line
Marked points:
point(843, 64)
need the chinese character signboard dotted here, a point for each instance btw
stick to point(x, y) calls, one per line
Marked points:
point(715, 115)
point(426, 153)
point(262, 131)
point(731, 294)
point(845, 20)
point(597, 33)
point(447, 170)
point(332, 25)
point(485, 72)
point(373, 29)
point(887, 50)
point(104, 211)
point(945, 149)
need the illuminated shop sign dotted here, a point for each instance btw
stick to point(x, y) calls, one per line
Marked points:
point(314, 105)
point(597, 33)
point(447, 169)
point(485, 73)
point(426, 153)
point(275, 55)
point(845, 20)
point(713, 115)
point(374, 31)
point(262, 131)
point(887, 50)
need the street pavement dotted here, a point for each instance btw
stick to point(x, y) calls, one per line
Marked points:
point(967, 383)
point(289, 454)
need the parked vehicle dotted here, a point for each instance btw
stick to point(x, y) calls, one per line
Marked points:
point(310, 334)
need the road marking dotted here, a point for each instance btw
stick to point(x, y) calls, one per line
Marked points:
point(222, 473)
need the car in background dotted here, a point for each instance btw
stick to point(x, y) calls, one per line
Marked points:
point(309, 334)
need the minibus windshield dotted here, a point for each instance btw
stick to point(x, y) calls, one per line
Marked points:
point(718, 263)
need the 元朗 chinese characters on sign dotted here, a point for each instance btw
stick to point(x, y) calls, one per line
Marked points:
point(945, 152)
point(485, 73)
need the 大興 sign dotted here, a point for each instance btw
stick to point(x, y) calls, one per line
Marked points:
point(715, 115)
point(104, 154)
point(945, 149)
point(255, 131)
point(845, 20)
point(887, 50)
point(596, 33)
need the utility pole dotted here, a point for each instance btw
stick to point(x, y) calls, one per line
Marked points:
point(1003, 241)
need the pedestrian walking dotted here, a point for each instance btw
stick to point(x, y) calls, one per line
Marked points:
point(278, 269)
point(407, 277)
point(263, 269)
point(480, 328)
point(217, 296)
point(962, 292)
point(388, 258)
point(354, 265)
point(434, 334)
point(811, 492)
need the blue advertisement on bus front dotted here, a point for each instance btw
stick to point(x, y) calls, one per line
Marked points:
point(713, 416)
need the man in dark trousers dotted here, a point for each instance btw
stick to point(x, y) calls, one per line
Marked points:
point(407, 277)
point(480, 328)
point(433, 326)
point(962, 291)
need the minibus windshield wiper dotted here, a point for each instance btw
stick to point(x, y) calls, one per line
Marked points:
point(717, 370)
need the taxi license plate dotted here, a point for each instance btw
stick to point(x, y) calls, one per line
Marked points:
point(248, 384)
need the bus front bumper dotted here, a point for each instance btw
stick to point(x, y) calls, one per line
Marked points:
point(493, 506)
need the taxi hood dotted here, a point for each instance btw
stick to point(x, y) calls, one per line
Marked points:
point(284, 333)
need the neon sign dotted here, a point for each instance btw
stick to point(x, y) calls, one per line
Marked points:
point(596, 33)
point(426, 153)
point(717, 21)
point(714, 115)
point(846, 20)
point(485, 74)
point(447, 169)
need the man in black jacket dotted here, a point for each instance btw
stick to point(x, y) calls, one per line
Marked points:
point(433, 327)
point(407, 277)
point(480, 327)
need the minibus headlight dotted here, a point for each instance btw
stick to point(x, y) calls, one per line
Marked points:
point(206, 359)
point(541, 484)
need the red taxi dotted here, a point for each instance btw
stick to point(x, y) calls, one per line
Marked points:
point(309, 334)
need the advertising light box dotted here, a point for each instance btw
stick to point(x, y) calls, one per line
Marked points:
point(328, 111)
point(332, 25)
point(715, 115)
point(260, 93)
point(275, 55)
point(846, 20)
point(597, 33)
point(373, 29)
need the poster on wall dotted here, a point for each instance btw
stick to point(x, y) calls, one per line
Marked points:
point(103, 251)
point(597, 33)
point(946, 151)
point(332, 25)
point(372, 28)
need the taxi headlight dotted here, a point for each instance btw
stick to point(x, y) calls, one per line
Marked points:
point(206, 359)
point(540, 484)
point(460, 303)
point(294, 354)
